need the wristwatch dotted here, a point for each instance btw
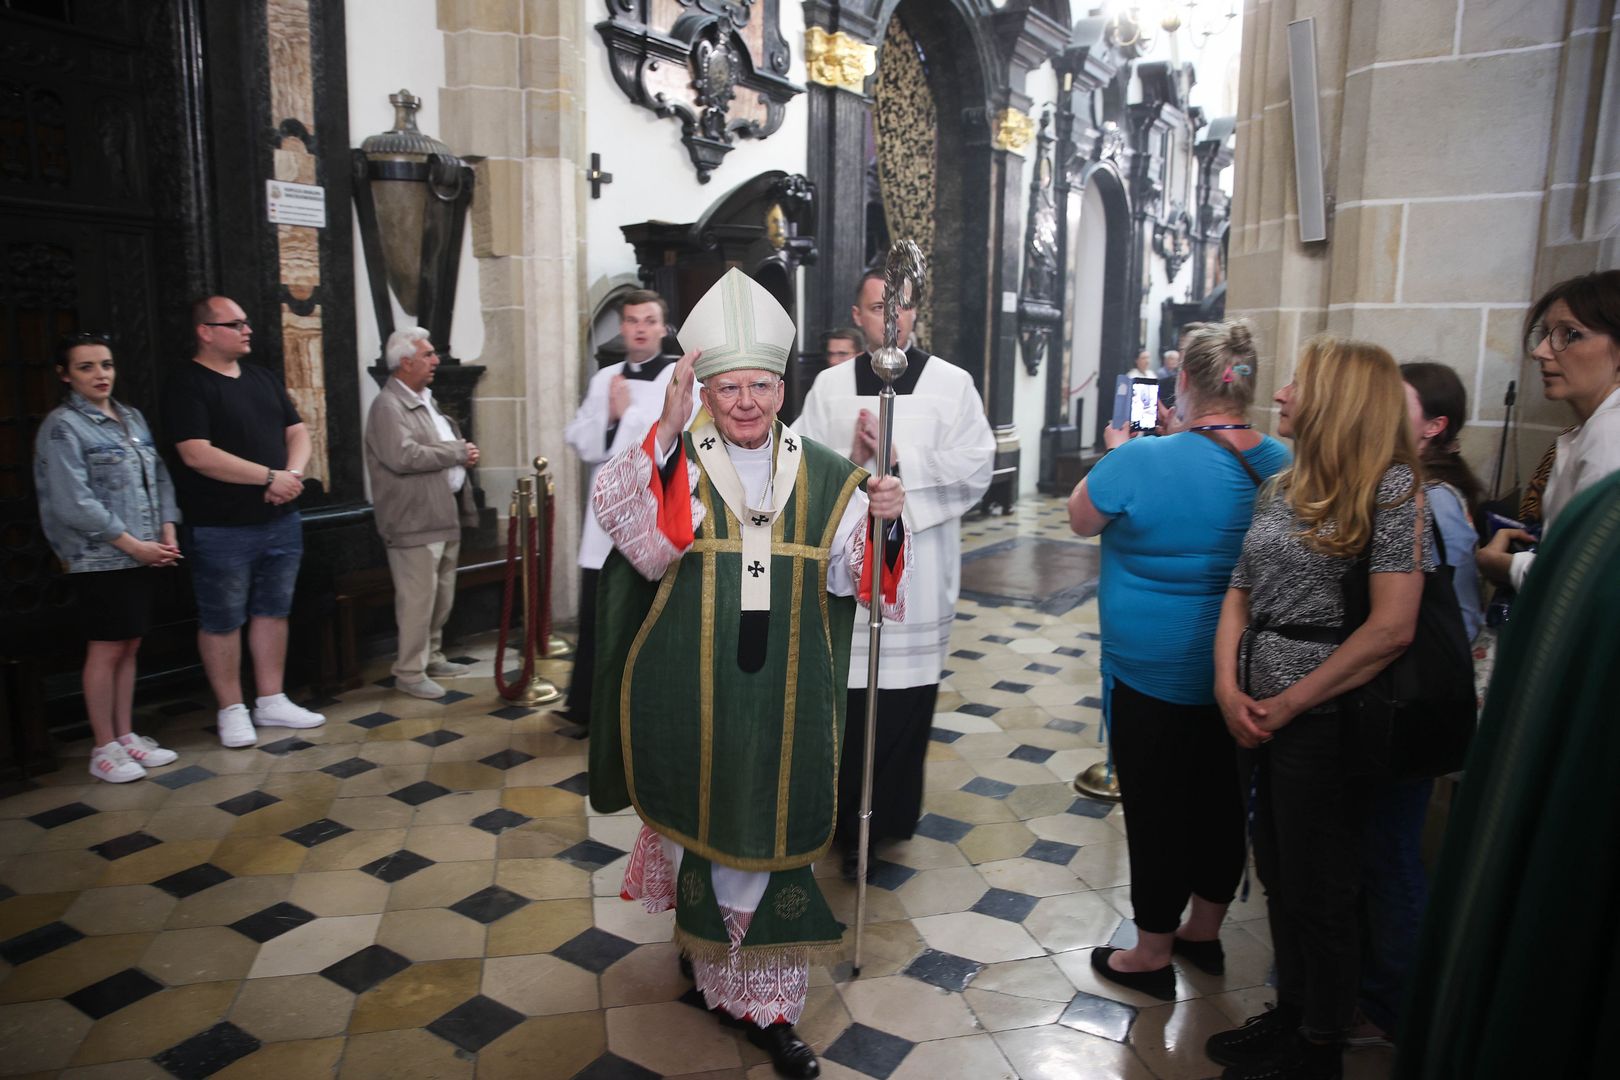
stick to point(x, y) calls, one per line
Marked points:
point(269, 476)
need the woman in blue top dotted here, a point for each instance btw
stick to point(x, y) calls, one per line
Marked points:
point(1172, 513)
point(107, 509)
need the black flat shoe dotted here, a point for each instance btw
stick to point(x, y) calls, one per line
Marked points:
point(1160, 983)
point(790, 1055)
point(1207, 956)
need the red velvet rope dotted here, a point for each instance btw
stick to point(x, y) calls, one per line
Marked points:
point(509, 691)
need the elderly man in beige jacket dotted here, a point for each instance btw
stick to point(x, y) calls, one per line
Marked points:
point(418, 462)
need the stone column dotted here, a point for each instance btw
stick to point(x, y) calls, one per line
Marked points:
point(837, 67)
point(513, 74)
point(1470, 161)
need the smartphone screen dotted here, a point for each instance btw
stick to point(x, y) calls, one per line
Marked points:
point(1144, 404)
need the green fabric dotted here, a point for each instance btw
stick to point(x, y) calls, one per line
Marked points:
point(793, 911)
point(757, 790)
point(1518, 972)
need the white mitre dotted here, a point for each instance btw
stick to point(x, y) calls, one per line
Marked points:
point(738, 325)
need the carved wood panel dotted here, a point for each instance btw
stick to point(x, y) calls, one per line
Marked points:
point(718, 66)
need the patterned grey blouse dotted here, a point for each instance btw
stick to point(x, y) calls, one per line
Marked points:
point(1289, 583)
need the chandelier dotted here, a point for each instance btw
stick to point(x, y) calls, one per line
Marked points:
point(1136, 25)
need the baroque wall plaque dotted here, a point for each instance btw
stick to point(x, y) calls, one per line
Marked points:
point(718, 66)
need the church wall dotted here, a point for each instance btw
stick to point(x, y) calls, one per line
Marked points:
point(1465, 152)
point(500, 82)
point(394, 45)
point(653, 177)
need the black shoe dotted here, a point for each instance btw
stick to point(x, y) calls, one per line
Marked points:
point(790, 1054)
point(1160, 983)
point(1262, 1039)
point(1207, 956)
point(1305, 1060)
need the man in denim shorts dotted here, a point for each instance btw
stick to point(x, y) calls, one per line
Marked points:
point(242, 450)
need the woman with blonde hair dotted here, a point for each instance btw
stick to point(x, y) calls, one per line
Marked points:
point(1284, 653)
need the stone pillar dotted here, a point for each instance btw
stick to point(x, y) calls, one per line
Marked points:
point(837, 67)
point(1012, 130)
point(1028, 38)
point(513, 74)
point(1470, 162)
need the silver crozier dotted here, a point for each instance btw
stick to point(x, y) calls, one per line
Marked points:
point(902, 288)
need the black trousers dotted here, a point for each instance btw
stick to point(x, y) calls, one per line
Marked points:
point(1307, 847)
point(1183, 802)
point(579, 681)
point(904, 719)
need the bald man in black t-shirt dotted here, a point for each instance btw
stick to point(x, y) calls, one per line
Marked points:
point(242, 449)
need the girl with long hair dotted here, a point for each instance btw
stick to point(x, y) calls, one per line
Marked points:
point(1283, 654)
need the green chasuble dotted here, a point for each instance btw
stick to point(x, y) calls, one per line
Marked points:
point(737, 767)
point(1518, 973)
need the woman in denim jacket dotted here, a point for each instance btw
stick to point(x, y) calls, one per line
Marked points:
point(108, 511)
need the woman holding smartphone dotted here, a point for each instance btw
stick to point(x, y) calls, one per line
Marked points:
point(108, 511)
point(1172, 513)
point(1283, 654)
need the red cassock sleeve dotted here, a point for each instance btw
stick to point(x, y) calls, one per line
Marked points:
point(894, 558)
point(674, 496)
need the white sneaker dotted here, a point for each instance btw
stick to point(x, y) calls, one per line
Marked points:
point(423, 688)
point(112, 764)
point(144, 751)
point(236, 727)
point(447, 669)
point(278, 710)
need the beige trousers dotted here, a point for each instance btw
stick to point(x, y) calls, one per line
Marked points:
point(424, 591)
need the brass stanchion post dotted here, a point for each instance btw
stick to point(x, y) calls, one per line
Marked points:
point(556, 647)
point(538, 690)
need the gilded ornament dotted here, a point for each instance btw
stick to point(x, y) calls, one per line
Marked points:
point(1014, 130)
point(692, 888)
point(791, 903)
point(838, 60)
point(776, 230)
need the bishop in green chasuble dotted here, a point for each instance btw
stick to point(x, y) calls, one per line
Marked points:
point(725, 616)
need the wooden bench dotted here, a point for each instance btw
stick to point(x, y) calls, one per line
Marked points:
point(373, 587)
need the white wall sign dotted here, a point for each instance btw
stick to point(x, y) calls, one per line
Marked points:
point(296, 204)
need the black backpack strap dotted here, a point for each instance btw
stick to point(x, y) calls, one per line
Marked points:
point(1230, 449)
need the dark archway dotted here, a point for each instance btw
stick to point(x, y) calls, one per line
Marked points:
point(954, 65)
point(1120, 317)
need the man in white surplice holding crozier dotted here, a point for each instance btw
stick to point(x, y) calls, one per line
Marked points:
point(944, 452)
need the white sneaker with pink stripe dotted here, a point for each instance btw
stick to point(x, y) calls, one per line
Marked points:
point(112, 764)
point(144, 750)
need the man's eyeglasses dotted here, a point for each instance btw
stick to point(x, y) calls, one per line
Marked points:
point(759, 388)
point(1559, 337)
point(238, 325)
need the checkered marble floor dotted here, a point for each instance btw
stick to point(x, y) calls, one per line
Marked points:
point(419, 889)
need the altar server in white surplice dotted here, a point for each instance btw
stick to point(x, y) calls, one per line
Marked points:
point(945, 451)
point(622, 401)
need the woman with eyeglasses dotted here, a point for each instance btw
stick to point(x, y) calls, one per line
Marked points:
point(1573, 332)
point(108, 511)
